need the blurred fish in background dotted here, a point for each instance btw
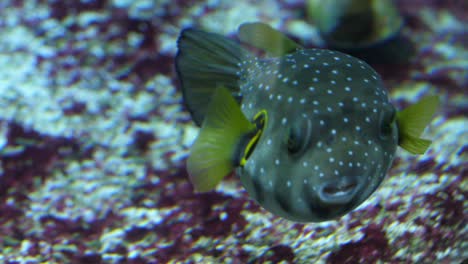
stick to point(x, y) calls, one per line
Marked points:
point(368, 29)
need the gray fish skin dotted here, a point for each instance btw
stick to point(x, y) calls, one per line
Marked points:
point(337, 110)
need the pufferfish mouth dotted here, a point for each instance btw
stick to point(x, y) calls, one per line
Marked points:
point(339, 191)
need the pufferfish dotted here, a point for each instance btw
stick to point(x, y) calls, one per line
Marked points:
point(310, 132)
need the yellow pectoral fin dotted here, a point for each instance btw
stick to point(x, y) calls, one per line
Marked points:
point(412, 121)
point(213, 153)
point(264, 37)
point(414, 145)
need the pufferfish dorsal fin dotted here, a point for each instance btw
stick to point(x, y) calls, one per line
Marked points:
point(264, 37)
point(213, 155)
point(412, 121)
point(204, 62)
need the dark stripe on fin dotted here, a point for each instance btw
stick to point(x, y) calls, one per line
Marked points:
point(259, 193)
point(204, 62)
point(282, 195)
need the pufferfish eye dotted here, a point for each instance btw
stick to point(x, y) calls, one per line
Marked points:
point(387, 121)
point(299, 136)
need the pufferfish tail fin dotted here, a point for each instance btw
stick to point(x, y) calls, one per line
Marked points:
point(266, 38)
point(205, 61)
point(216, 150)
point(412, 121)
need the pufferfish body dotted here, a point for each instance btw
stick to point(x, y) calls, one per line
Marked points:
point(310, 132)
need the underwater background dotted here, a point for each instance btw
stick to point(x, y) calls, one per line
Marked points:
point(94, 139)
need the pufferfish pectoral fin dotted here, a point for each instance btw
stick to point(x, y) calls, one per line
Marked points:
point(412, 121)
point(213, 155)
point(264, 37)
